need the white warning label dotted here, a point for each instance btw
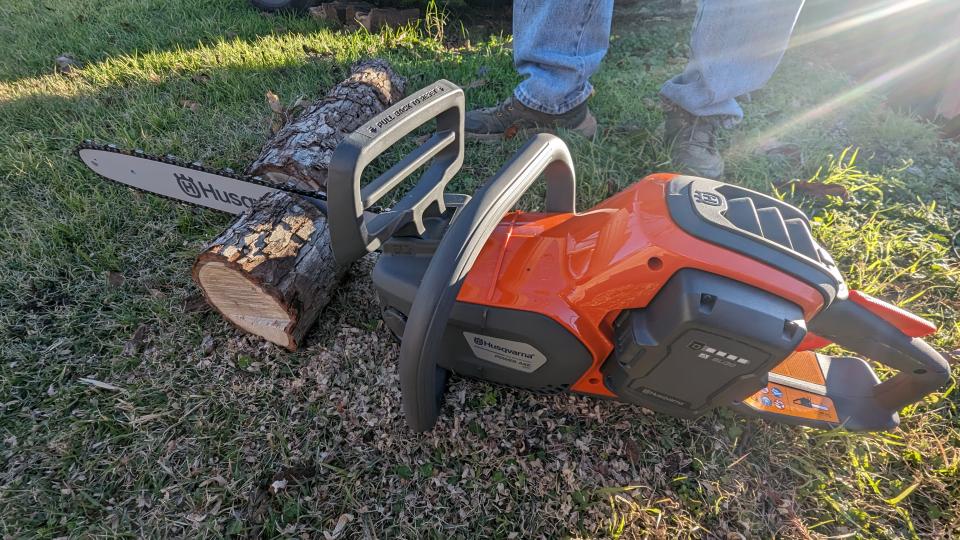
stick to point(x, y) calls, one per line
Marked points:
point(504, 352)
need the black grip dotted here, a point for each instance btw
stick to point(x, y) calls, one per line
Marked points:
point(454, 257)
point(922, 370)
point(353, 232)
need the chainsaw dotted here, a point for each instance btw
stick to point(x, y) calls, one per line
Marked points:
point(679, 294)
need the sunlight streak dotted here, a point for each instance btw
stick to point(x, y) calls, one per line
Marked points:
point(847, 97)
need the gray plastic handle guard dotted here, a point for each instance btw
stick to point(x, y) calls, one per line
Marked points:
point(455, 255)
point(922, 370)
point(352, 233)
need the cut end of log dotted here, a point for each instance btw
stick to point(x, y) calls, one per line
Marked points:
point(246, 304)
point(272, 271)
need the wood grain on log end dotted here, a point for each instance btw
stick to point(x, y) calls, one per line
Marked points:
point(272, 271)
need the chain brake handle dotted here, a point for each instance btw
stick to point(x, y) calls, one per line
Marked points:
point(354, 231)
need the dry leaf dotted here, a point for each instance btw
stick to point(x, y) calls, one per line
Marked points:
point(633, 451)
point(788, 151)
point(339, 527)
point(274, 102)
point(133, 345)
point(207, 345)
point(194, 303)
point(510, 132)
point(475, 84)
point(115, 279)
point(314, 54)
point(817, 190)
point(190, 104)
point(66, 64)
point(100, 384)
point(278, 485)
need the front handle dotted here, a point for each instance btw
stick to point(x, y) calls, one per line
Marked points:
point(853, 326)
point(421, 379)
point(353, 232)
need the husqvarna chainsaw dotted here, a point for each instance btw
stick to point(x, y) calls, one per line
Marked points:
point(680, 294)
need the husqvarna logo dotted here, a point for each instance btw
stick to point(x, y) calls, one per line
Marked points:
point(198, 190)
point(707, 198)
point(187, 185)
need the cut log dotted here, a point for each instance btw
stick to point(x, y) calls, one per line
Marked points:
point(272, 271)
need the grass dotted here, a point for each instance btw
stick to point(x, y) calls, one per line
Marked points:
point(187, 444)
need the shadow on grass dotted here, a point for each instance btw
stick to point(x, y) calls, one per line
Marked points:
point(92, 30)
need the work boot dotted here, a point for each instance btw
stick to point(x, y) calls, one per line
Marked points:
point(512, 118)
point(693, 142)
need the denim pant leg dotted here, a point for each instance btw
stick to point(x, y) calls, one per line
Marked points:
point(735, 48)
point(557, 46)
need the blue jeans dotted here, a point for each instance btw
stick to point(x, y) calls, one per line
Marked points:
point(735, 48)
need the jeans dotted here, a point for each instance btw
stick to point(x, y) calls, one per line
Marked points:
point(735, 48)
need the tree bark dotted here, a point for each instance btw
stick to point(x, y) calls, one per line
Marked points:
point(300, 151)
point(272, 271)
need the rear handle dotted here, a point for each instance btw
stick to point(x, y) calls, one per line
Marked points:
point(853, 326)
point(420, 376)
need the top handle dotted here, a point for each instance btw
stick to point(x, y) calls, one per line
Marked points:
point(421, 379)
point(354, 233)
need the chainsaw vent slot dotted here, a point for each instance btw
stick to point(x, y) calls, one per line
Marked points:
point(743, 213)
point(769, 223)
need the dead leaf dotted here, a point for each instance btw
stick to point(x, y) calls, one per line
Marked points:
point(817, 190)
point(133, 345)
point(66, 64)
point(100, 384)
point(510, 132)
point(790, 152)
point(274, 102)
point(190, 104)
point(315, 54)
point(478, 83)
point(195, 302)
point(207, 345)
point(338, 529)
point(115, 279)
point(375, 18)
point(277, 486)
point(633, 451)
point(299, 106)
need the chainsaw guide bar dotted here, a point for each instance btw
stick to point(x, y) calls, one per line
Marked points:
point(181, 181)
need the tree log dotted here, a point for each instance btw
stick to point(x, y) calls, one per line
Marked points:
point(300, 151)
point(272, 271)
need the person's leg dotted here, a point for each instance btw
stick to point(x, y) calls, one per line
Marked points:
point(557, 46)
point(735, 48)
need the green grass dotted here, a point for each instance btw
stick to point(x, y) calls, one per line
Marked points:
point(190, 443)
